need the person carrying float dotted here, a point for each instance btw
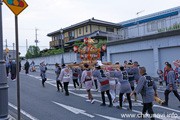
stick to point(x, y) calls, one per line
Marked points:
point(75, 76)
point(171, 85)
point(112, 83)
point(86, 78)
point(105, 86)
point(133, 70)
point(122, 76)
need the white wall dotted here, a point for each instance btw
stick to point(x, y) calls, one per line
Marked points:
point(69, 58)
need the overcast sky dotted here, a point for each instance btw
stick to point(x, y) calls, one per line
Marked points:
point(51, 15)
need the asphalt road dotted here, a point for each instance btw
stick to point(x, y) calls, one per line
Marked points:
point(45, 103)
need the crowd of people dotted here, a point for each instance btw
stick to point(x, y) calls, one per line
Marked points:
point(127, 80)
point(130, 79)
point(11, 68)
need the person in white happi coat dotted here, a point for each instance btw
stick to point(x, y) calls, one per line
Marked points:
point(112, 84)
point(65, 78)
point(87, 80)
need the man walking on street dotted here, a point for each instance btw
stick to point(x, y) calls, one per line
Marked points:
point(7, 68)
point(58, 82)
point(171, 84)
point(75, 75)
point(65, 78)
point(43, 70)
point(26, 65)
point(147, 87)
point(13, 70)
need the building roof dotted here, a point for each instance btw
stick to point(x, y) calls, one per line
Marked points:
point(151, 17)
point(89, 21)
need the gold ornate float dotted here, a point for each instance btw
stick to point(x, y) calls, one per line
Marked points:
point(89, 54)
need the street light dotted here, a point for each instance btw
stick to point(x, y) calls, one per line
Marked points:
point(62, 45)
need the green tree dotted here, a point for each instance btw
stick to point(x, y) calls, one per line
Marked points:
point(79, 44)
point(33, 52)
point(100, 43)
point(47, 52)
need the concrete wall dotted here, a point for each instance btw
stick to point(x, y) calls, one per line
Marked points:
point(154, 44)
point(69, 58)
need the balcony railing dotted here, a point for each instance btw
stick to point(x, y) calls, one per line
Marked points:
point(140, 30)
point(54, 43)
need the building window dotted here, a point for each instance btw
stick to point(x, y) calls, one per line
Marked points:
point(86, 29)
point(71, 35)
point(110, 29)
point(161, 24)
point(79, 31)
point(124, 32)
point(57, 37)
point(152, 26)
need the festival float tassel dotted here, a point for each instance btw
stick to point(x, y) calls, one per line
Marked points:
point(98, 55)
point(81, 56)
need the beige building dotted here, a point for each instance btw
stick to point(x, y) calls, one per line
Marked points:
point(93, 28)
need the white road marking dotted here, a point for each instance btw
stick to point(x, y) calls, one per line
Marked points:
point(74, 110)
point(107, 117)
point(86, 95)
point(37, 77)
point(23, 112)
point(163, 107)
point(160, 91)
point(133, 104)
point(167, 108)
point(11, 117)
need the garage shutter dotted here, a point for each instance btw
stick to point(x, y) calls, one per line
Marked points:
point(145, 58)
point(168, 55)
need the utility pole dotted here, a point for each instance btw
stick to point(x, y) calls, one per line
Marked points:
point(26, 45)
point(13, 51)
point(3, 79)
point(6, 43)
point(138, 20)
point(36, 40)
point(7, 52)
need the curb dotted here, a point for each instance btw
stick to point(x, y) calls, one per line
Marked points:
point(11, 118)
